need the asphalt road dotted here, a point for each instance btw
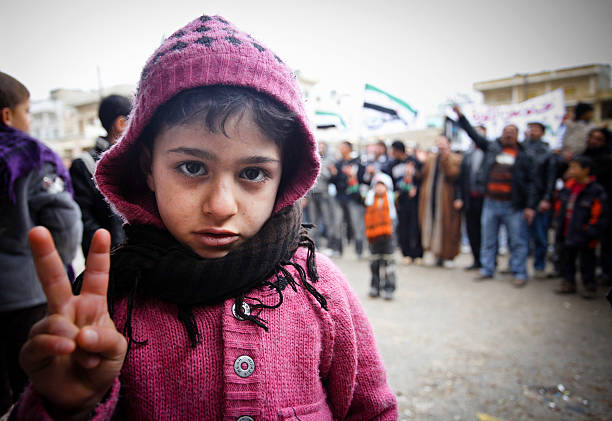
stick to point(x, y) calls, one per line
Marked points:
point(455, 349)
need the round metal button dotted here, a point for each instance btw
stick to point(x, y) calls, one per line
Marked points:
point(245, 308)
point(244, 366)
point(245, 418)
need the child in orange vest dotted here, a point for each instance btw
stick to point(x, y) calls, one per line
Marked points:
point(380, 217)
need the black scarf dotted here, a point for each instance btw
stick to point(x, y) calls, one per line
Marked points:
point(152, 263)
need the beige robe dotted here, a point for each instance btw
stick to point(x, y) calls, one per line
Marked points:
point(442, 235)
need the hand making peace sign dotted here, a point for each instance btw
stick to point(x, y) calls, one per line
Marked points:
point(74, 354)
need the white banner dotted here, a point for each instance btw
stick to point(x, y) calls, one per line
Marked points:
point(547, 109)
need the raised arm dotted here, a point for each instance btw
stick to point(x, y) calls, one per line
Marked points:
point(481, 141)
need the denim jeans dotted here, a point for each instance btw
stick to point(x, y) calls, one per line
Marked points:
point(351, 213)
point(494, 214)
point(538, 233)
point(319, 211)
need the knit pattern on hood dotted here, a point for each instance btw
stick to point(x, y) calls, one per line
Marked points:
point(207, 51)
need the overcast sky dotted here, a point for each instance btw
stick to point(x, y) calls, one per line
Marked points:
point(422, 51)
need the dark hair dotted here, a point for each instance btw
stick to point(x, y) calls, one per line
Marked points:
point(347, 143)
point(12, 92)
point(537, 123)
point(111, 107)
point(212, 106)
point(581, 109)
point(584, 162)
point(398, 145)
point(604, 131)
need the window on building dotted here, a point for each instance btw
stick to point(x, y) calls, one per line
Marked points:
point(570, 92)
point(502, 98)
point(532, 93)
point(606, 110)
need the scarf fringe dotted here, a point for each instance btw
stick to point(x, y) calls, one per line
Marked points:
point(185, 315)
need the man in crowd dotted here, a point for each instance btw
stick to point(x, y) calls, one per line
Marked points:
point(440, 222)
point(599, 150)
point(347, 175)
point(469, 197)
point(506, 178)
point(576, 129)
point(320, 209)
point(404, 170)
point(377, 162)
point(544, 163)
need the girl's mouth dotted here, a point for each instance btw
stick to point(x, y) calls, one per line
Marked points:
point(216, 238)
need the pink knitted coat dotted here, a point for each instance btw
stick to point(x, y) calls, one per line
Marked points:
point(312, 364)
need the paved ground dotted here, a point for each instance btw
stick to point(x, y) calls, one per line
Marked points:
point(460, 350)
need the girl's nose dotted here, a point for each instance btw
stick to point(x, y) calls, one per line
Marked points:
point(220, 202)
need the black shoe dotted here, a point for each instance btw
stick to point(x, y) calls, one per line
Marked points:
point(374, 292)
point(483, 277)
point(589, 293)
point(387, 295)
point(566, 288)
point(604, 280)
point(474, 266)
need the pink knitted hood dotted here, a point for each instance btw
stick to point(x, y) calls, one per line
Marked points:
point(207, 51)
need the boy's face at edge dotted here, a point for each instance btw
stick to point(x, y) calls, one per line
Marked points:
point(215, 192)
point(18, 117)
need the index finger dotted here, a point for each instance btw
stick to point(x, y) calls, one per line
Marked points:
point(50, 269)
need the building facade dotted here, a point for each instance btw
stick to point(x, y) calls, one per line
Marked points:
point(68, 121)
point(588, 83)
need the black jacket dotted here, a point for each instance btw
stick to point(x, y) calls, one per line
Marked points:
point(340, 180)
point(37, 203)
point(464, 188)
point(95, 211)
point(545, 166)
point(589, 217)
point(523, 188)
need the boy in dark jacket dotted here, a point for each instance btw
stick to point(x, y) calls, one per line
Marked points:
point(582, 216)
point(96, 213)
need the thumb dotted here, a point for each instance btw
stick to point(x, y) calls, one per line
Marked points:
point(103, 340)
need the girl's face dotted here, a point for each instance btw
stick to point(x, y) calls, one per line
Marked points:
point(215, 192)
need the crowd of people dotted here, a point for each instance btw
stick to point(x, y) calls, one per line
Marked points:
point(505, 190)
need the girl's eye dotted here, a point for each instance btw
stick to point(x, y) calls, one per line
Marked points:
point(254, 174)
point(192, 168)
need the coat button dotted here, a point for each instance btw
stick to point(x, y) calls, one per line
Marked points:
point(244, 366)
point(245, 418)
point(245, 308)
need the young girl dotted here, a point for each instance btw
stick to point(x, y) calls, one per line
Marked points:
point(217, 306)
